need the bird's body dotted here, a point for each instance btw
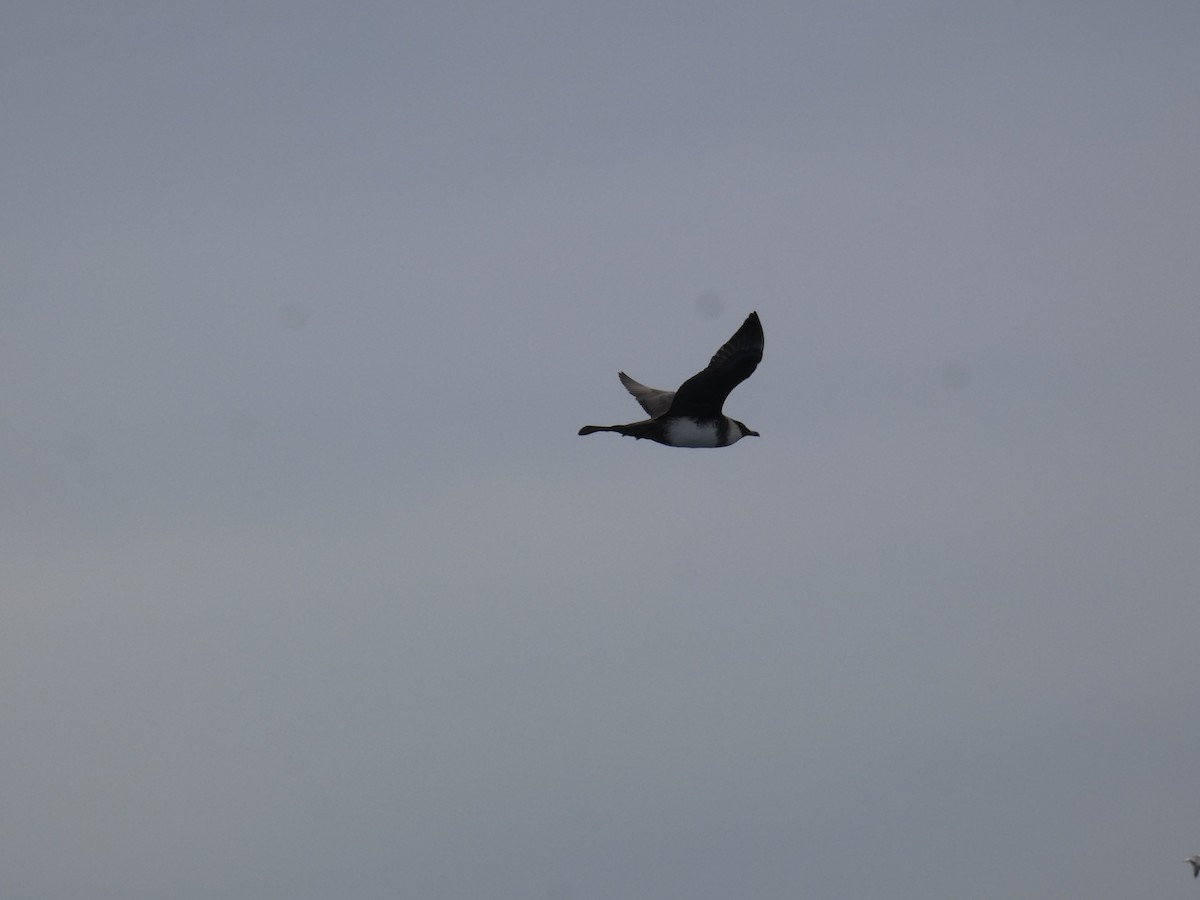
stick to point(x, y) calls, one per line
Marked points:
point(1195, 861)
point(691, 416)
point(678, 432)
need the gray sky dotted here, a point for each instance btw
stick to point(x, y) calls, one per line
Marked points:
point(309, 588)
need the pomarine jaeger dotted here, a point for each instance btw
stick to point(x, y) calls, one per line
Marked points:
point(691, 416)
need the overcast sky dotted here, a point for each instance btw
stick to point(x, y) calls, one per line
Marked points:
point(309, 589)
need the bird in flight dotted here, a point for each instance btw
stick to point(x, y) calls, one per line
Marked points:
point(1195, 861)
point(691, 416)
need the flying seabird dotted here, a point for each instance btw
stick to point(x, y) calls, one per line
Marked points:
point(1195, 861)
point(691, 416)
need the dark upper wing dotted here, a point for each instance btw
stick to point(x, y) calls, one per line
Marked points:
point(704, 393)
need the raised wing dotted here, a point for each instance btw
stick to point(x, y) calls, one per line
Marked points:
point(653, 401)
point(704, 394)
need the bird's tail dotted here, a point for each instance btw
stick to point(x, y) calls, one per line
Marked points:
point(645, 429)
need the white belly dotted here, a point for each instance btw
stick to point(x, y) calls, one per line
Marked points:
point(686, 433)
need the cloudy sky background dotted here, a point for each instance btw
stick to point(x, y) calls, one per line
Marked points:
point(309, 589)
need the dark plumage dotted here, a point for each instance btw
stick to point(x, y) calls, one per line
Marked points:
point(691, 416)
